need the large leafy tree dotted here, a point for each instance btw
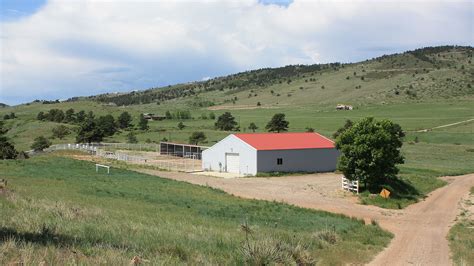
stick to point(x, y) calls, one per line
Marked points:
point(278, 123)
point(124, 120)
point(370, 152)
point(226, 122)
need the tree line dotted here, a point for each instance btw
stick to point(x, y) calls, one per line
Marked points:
point(237, 82)
point(91, 128)
point(370, 149)
point(226, 122)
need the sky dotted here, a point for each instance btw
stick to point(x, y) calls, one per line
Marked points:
point(58, 49)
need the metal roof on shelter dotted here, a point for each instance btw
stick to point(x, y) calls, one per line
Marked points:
point(286, 141)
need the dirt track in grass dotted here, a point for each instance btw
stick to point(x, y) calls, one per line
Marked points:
point(420, 230)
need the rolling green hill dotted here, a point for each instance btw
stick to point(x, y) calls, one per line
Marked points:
point(424, 74)
point(419, 89)
point(427, 91)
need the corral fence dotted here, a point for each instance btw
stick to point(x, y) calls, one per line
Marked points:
point(350, 185)
point(187, 162)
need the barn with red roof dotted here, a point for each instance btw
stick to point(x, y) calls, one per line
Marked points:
point(251, 153)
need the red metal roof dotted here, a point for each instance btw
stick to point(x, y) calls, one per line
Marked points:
point(285, 141)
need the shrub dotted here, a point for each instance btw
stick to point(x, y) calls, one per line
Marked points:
point(131, 137)
point(253, 127)
point(197, 137)
point(143, 123)
point(327, 235)
point(40, 143)
point(60, 131)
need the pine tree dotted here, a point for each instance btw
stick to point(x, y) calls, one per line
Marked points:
point(277, 123)
point(253, 127)
point(143, 123)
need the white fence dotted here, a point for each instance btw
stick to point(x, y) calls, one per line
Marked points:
point(188, 163)
point(131, 146)
point(351, 186)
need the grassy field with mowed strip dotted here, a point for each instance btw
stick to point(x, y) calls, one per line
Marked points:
point(60, 210)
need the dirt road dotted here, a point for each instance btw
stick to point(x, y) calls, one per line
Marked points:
point(420, 233)
point(420, 230)
point(448, 125)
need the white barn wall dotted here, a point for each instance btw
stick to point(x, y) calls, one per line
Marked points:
point(305, 160)
point(231, 144)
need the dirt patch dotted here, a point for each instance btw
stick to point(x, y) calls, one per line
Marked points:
point(420, 234)
point(241, 107)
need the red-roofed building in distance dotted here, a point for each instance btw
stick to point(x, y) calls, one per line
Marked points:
point(247, 154)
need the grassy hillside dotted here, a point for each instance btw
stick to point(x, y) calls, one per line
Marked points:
point(424, 74)
point(419, 89)
point(60, 211)
point(390, 86)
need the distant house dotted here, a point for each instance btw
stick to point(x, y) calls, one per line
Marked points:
point(150, 116)
point(343, 107)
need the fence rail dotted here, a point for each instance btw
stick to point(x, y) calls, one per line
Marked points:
point(169, 161)
point(351, 186)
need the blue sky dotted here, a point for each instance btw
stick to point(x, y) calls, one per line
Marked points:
point(16, 9)
point(59, 49)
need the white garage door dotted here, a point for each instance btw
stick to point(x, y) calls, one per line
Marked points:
point(232, 161)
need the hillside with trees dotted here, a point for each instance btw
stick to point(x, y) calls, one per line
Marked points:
point(398, 86)
point(421, 74)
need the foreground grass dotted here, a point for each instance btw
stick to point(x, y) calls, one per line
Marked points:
point(461, 235)
point(59, 211)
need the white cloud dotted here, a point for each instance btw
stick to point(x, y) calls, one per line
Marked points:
point(85, 47)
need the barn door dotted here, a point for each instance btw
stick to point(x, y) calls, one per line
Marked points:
point(232, 161)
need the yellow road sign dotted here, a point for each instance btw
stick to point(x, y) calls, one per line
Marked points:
point(385, 193)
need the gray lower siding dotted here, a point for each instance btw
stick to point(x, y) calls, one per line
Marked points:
point(306, 160)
